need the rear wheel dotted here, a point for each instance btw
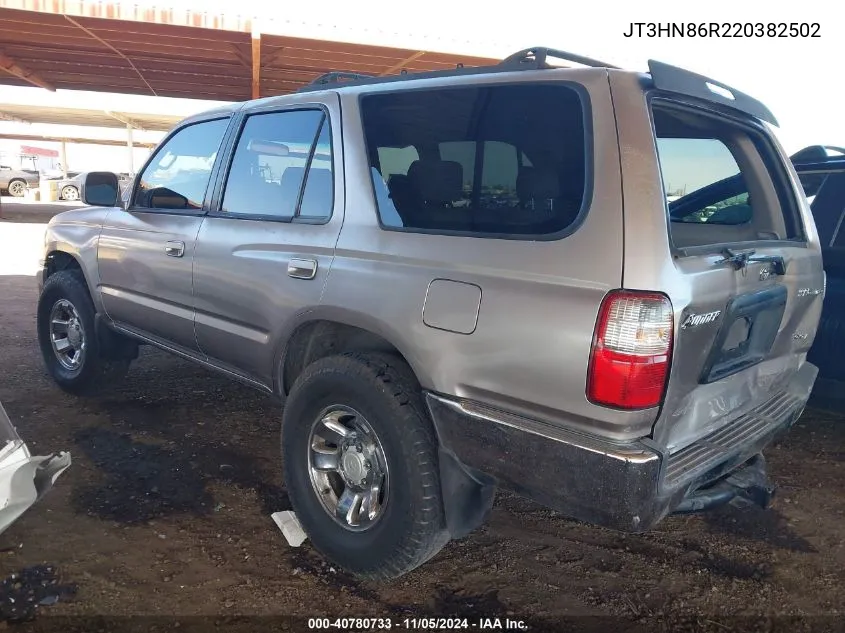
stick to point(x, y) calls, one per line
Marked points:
point(360, 459)
point(67, 336)
point(70, 193)
point(17, 188)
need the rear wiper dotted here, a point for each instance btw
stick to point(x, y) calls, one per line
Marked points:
point(740, 260)
point(737, 260)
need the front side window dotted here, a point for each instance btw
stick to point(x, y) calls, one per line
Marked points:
point(493, 160)
point(282, 167)
point(178, 175)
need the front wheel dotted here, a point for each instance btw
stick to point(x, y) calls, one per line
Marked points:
point(360, 459)
point(67, 336)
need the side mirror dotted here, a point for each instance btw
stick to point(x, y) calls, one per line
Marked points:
point(164, 198)
point(100, 189)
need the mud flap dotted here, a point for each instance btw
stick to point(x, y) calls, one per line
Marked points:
point(467, 495)
point(114, 346)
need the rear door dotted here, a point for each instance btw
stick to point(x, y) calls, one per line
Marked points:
point(747, 269)
point(265, 250)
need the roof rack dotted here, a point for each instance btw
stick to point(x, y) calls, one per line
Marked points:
point(535, 58)
point(528, 59)
point(335, 77)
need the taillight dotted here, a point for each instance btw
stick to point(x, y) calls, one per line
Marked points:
point(632, 346)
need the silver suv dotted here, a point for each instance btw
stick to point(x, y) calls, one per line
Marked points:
point(591, 286)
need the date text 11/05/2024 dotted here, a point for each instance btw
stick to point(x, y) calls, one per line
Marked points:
point(417, 624)
point(723, 29)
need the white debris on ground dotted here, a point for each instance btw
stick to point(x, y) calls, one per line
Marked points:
point(290, 527)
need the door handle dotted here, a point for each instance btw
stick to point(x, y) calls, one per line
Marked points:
point(174, 249)
point(302, 268)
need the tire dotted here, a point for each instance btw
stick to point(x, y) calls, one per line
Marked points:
point(70, 193)
point(68, 288)
point(17, 188)
point(411, 527)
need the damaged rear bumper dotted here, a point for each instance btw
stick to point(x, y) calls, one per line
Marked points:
point(24, 478)
point(626, 486)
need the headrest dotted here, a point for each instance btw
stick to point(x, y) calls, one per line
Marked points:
point(538, 184)
point(292, 178)
point(436, 181)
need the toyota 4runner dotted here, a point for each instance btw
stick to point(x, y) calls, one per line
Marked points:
point(520, 276)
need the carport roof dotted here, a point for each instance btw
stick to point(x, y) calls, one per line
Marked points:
point(126, 48)
point(93, 118)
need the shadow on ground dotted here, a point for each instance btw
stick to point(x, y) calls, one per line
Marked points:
point(157, 457)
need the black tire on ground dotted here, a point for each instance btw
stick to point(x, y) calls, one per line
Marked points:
point(384, 390)
point(17, 188)
point(93, 371)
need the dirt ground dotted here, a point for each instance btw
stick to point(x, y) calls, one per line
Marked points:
point(165, 512)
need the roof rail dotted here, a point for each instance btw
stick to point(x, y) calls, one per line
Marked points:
point(535, 58)
point(335, 77)
point(528, 59)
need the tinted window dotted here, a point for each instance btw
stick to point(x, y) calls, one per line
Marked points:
point(178, 175)
point(507, 160)
point(828, 206)
point(273, 154)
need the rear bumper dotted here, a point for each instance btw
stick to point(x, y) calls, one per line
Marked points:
point(626, 486)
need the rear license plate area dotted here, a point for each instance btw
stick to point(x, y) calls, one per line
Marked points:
point(749, 328)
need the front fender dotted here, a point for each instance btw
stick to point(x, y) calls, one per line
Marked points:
point(77, 233)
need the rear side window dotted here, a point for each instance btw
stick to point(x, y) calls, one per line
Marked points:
point(492, 160)
point(723, 182)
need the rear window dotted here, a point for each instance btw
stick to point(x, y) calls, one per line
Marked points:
point(723, 182)
point(493, 160)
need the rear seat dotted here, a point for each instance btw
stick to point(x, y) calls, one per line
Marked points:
point(434, 185)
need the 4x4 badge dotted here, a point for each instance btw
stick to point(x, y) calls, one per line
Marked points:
point(694, 320)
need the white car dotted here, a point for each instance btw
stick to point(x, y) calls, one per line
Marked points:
point(24, 478)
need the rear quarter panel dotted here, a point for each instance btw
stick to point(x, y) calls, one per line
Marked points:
point(529, 350)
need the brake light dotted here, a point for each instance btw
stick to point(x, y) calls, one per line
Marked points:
point(632, 346)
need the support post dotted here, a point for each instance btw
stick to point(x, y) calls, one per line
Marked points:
point(63, 158)
point(131, 150)
point(256, 62)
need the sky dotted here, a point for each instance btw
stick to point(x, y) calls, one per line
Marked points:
point(798, 78)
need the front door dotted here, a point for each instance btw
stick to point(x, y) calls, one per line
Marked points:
point(146, 251)
point(264, 251)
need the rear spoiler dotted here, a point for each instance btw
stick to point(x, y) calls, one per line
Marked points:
point(690, 84)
